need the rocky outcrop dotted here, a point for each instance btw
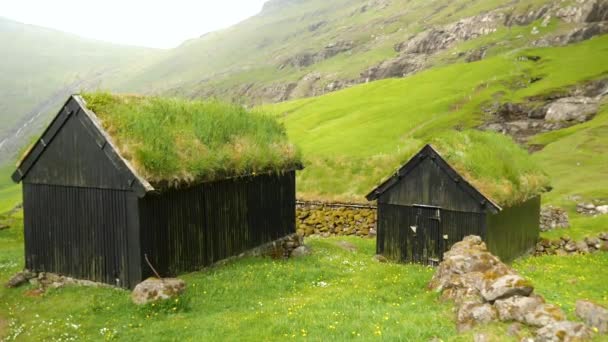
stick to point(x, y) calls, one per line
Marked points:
point(571, 109)
point(548, 113)
point(485, 290)
point(436, 39)
point(398, 67)
point(565, 245)
point(325, 219)
point(305, 59)
point(153, 290)
point(553, 218)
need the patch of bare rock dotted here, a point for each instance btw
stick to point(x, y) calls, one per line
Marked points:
point(485, 290)
point(546, 113)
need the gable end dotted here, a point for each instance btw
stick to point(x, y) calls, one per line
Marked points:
point(75, 151)
point(429, 153)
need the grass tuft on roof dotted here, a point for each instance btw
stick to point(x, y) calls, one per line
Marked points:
point(493, 163)
point(173, 141)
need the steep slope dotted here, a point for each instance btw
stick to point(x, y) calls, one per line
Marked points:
point(40, 66)
point(294, 49)
point(355, 137)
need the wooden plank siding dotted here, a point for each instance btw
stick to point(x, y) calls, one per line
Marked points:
point(396, 239)
point(514, 230)
point(75, 231)
point(184, 230)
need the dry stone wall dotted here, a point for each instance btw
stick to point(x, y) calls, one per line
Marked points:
point(335, 219)
point(484, 290)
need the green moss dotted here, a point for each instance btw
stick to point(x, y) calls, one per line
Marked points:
point(175, 140)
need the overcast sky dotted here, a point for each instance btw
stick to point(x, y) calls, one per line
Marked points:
point(152, 23)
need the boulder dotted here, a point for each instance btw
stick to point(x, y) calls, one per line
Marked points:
point(506, 286)
point(153, 289)
point(301, 251)
point(582, 247)
point(544, 314)
point(515, 308)
point(577, 108)
point(563, 331)
point(593, 315)
point(473, 313)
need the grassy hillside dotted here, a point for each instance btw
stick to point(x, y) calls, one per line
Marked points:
point(355, 137)
point(40, 67)
point(251, 60)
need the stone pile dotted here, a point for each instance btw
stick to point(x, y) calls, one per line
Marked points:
point(327, 220)
point(553, 218)
point(484, 290)
point(591, 209)
point(565, 245)
point(46, 280)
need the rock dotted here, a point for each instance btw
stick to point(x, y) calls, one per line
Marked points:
point(578, 109)
point(603, 236)
point(593, 242)
point(472, 313)
point(301, 251)
point(4, 226)
point(582, 247)
point(506, 286)
point(563, 331)
point(380, 258)
point(20, 278)
point(153, 289)
point(544, 314)
point(593, 315)
point(514, 329)
point(570, 247)
point(602, 209)
point(515, 308)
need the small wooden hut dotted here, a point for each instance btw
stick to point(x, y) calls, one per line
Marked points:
point(427, 206)
point(95, 209)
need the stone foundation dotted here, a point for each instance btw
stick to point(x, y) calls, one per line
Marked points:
point(335, 219)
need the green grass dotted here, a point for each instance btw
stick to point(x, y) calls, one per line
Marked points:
point(333, 294)
point(564, 280)
point(353, 138)
point(175, 140)
point(10, 193)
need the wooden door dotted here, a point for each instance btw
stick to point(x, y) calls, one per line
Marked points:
point(428, 238)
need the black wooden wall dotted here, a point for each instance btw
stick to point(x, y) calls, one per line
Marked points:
point(397, 241)
point(514, 230)
point(75, 231)
point(184, 230)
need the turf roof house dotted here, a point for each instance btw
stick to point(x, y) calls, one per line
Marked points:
point(427, 206)
point(88, 212)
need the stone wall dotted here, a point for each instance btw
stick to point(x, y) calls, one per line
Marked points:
point(486, 290)
point(565, 245)
point(333, 219)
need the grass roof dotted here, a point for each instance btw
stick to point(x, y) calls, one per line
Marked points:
point(176, 141)
point(491, 162)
